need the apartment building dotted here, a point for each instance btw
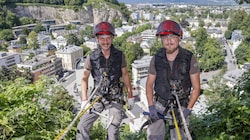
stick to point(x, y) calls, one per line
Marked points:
point(9, 59)
point(137, 117)
point(70, 55)
point(42, 64)
point(91, 43)
point(148, 34)
point(59, 42)
point(140, 69)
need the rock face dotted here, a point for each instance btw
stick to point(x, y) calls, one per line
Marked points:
point(62, 15)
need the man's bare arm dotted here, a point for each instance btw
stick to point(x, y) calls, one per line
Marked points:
point(85, 78)
point(149, 88)
point(127, 82)
point(195, 80)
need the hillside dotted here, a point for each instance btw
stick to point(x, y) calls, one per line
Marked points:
point(87, 14)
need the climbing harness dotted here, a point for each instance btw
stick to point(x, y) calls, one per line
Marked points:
point(182, 116)
point(161, 116)
point(175, 123)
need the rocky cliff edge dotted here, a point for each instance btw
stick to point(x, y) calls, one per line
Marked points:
point(62, 15)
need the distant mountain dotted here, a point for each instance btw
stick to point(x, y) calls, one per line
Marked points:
point(200, 2)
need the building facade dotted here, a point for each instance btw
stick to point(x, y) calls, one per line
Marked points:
point(9, 59)
point(70, 56)
point(42, 65)
point(140, 69)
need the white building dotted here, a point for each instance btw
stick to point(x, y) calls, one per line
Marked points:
point(193, 22)
point(246, 67)
point(148, 34)
point(146, 45)
point(148, 16)
point(127, 28)
point(44, 39)
point(136, 114)
point(135, 16)
point(233, 76)
point(9, 59)
point(237, 38)
point(91, 43)
point(159, 17)
point(70, 56)
point(119, 32)
point(140, 68)
point(215, 32)
point(59, 42)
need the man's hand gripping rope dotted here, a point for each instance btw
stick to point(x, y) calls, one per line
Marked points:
point(183, 118)
point(154, 116)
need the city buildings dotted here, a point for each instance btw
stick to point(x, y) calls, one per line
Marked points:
point(42, 64)
point(67, 57)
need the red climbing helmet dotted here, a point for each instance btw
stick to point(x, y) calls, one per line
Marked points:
point(169, 27)
point(104, 28)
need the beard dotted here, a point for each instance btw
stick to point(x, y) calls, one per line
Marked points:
point(104, 47)
point(171, 50)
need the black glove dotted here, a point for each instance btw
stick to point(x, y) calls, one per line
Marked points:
point(186, 112)
point(153, 113)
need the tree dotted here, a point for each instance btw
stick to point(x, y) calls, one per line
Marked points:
point(228, 113)
point(6, 35)
point(32, 40)
point(22, 40)
point(73, 40)
point(212, 57)
point(27, 20)
point(126, 134)
point(34, 111)
point(184, 23)
point(117, 22)
point(189, 46)
point(86, 50)
point(201, 38)
point(70, 27)
point(2, 2)
point(73, 2)
point(240, 21)
point(39, 27)
point(132, 52)
point(25, 31)
point(5, 73)
point(242, 53)
point(201, 23)
point(12, 19)
point(217, 24)
point(242, 1)
point(157, 45)
point(89, 31)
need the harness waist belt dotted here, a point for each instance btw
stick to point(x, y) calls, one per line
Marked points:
point(161, 100)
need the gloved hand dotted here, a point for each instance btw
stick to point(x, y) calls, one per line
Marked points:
point(131, 103)
point(153, 112)
point(84, 105)
point(186, 112)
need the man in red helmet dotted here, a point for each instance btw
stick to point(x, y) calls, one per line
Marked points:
point(109, 63)
point(172, 68)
